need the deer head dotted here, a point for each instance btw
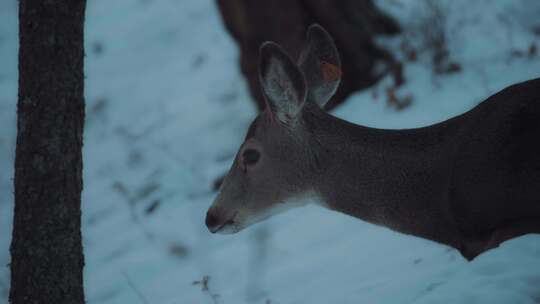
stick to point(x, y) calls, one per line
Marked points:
point(277, 163)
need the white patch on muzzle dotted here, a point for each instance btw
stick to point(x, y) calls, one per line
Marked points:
point(309, 197)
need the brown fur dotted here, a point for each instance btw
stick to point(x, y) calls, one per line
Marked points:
point(470, 182)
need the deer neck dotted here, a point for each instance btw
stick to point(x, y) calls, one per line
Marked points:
point(395, 178)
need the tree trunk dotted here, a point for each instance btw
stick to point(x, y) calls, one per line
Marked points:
point(46, 250)
point(352, 23)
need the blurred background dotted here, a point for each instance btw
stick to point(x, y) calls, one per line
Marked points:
point(170, 91)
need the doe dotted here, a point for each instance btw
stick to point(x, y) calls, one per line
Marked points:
point(470, 182)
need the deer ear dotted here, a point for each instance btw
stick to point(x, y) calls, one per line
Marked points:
point(319, 61)
point(282, 82)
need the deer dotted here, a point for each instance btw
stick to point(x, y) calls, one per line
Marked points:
point(470, 182)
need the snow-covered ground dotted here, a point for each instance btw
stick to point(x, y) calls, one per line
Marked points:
point(167, 109)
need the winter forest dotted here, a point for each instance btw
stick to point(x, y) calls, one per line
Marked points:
point(119, 121)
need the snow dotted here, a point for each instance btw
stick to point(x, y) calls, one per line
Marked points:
point(8, 93)
point(166, 110)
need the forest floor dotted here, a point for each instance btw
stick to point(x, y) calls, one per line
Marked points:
point(166, 110)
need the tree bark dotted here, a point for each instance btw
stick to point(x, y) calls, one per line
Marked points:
point(46, 250)
point(352, 23)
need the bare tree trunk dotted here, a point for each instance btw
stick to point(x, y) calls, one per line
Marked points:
point(352, 23)
point(46, 250)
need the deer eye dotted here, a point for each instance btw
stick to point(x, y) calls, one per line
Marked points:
point(251, 156)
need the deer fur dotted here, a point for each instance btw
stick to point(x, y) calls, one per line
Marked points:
point(470, 182)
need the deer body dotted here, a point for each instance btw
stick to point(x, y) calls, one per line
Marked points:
point(470, 182)
point(456, 182)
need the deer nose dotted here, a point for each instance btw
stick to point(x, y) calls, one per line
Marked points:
point(212, 221)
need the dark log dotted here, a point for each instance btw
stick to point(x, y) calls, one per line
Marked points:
point(352, 23)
